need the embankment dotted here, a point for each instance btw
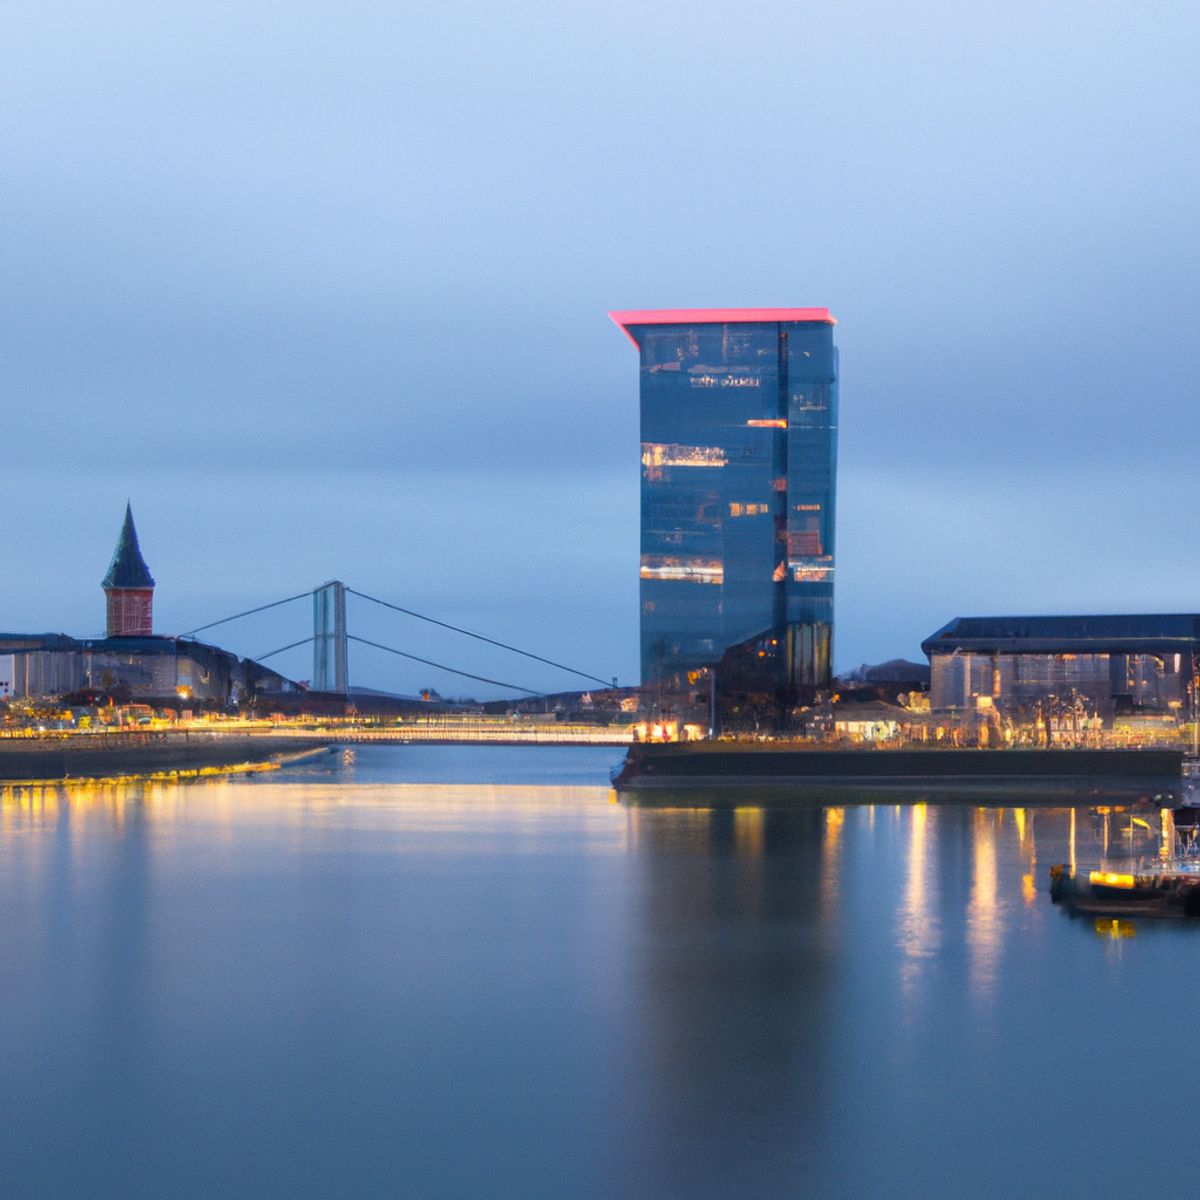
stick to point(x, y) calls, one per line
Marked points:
point(725, 766)
point(77, 756)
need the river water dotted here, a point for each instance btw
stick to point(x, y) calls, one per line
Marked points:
point(470, 972)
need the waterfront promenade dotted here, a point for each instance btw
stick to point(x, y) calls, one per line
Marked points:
point(508, 733)
point(64, 754)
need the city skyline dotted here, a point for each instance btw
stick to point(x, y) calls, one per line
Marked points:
point(320, 317)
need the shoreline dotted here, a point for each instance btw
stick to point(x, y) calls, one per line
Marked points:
point(665, 770)
point(166, 753)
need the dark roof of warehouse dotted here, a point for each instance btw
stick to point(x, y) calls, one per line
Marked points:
point(200, 652)
point(1120, 634)
point(128, 568)
point(17, 643)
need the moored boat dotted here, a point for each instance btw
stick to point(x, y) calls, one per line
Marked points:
point(1168, 890)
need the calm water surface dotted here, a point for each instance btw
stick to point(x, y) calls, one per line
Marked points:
point(468, 972)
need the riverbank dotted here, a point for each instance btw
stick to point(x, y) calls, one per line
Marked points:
point(79, 756)
point(659, 769)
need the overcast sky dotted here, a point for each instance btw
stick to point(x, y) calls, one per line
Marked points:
point(322, 288)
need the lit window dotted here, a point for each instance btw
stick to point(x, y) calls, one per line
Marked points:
point(682, 570)
point(769, 423)
point(656, 454)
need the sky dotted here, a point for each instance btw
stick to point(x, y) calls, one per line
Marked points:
point(322, 289)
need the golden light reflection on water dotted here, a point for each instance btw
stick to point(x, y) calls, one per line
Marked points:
point(919, 925)
point(748, 831)
point(749, 840)
point(1026, 831)
point(1001, 892)
point(984, 916)
point(1003, 886)
point(690, 826)
point(831, 855)
point(26, 807)
point(220, 809)
point(941, 899)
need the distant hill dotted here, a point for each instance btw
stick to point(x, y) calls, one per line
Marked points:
point(895, 670)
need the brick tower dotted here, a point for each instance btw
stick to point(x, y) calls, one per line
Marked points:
point(128, 587)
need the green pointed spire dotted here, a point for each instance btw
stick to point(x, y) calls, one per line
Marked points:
point(128, 568)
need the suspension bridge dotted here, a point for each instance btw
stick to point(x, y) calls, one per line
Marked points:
point(331, 636)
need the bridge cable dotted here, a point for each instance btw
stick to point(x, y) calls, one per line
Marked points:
point(442, 666)
point(292, 646)
point(479, 637)
point(248, 612)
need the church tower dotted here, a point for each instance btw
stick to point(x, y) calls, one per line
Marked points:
point(128, 587)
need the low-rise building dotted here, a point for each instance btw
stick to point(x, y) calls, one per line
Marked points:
point(33, 666)
point(1106, 665)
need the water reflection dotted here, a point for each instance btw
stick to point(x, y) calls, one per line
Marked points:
point(1113, 928)
point(732, 996)
point(215, 808)
point(831, 866)
point(765, 1004)
point(356, 986)
point(985, 928)
point(918, 921)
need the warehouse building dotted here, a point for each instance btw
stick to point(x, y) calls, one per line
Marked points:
point(1108, 664)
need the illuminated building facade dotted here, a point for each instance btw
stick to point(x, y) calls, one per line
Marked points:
point(1110, 664)
point(128, 587)
point(161, 669)
point(739, 444)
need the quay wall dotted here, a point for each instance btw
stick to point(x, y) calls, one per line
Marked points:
point(715, 765)
point(139, 753)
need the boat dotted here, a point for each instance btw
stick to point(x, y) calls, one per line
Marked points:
point(1168, 887)
point(1155, 892)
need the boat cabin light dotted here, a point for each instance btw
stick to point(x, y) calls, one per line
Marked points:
point(1111, 879)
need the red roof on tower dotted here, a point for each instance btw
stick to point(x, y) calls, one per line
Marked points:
point(717, 316)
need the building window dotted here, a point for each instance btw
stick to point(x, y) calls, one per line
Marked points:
point(682, 570)
point(655, 454)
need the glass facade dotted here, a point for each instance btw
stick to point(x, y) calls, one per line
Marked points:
point(739, 429)
point(1019, 683)
point(1108, 664)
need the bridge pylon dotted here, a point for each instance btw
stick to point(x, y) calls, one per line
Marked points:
point(330, 666)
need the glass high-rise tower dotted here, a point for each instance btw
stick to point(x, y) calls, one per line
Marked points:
point(739, 450)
